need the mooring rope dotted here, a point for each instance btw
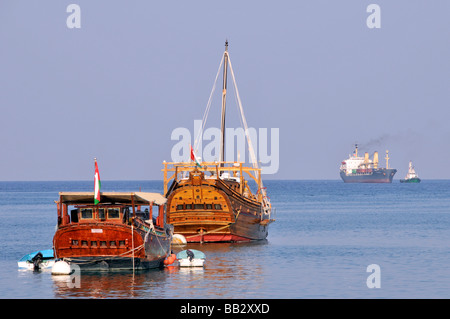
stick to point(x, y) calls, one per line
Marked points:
point(211, 231)
point(217, 229)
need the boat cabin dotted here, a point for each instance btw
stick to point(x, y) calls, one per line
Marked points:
point(122, 227)
point(116, 208)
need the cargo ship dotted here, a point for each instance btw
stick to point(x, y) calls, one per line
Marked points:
point(358, 169)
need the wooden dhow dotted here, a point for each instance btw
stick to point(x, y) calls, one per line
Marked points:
point(213, 201)
point(117, 233)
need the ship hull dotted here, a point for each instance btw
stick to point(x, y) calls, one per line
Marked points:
point(94, 250)
point(247, 228)
point(244, 227)
point(382, 175)
point(410, 180)
point(239, 220)
point(104, 263)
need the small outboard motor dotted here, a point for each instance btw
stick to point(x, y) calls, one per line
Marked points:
point(190, 254)
point(37, 259)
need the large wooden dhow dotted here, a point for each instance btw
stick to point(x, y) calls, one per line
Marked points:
point(213, 201)
point(119, 232)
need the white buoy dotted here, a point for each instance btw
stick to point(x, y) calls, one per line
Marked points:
point(61, 268)
point(179, 239)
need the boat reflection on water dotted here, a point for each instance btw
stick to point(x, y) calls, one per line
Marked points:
point(120, 284)
point(229, 271)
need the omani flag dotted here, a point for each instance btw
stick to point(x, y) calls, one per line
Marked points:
point(193, 157)
point(97, 185)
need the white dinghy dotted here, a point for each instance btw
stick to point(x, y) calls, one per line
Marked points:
point(191, 258)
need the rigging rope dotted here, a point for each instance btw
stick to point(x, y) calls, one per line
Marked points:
point(243, 120)
point(208, 232)
point(266, 202)
point(208, 106)
point(254, 161)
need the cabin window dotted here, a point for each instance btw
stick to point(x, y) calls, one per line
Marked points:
point(198, 206)
point(121, 243)
point(74, 242)
point(103, 243)
point(112, 243)
point(101, 213)
point(86, 213)
point(188, 206)
point(113, 213)
point(179, 207)
point(84, 243)
point(217, 206)
point(208, 206)
point(93, 244)
point(74, 215)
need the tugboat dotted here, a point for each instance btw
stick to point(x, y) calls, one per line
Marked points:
point(412, 176)
point(212, 201)
point(116, 232)
point(357, 169)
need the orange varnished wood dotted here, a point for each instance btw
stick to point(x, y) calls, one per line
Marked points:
point(94, 239)
point(192, 210)
point(102, 235)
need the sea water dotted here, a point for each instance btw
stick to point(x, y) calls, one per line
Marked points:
point(324, 243)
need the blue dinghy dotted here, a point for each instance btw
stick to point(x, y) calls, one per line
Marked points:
point(41, 259)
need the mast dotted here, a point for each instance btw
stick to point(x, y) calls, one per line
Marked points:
point(224, 98)
point(387, 159)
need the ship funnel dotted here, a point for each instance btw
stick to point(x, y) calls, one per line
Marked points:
point(366, 158)
point(375, 160)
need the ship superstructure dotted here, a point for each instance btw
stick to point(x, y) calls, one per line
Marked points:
point(358, 169)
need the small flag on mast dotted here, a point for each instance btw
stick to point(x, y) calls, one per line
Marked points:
point(193, 157)
point(97, 184)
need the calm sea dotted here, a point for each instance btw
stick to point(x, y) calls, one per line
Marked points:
point(325, 236)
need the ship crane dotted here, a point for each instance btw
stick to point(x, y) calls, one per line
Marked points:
point(387, 159)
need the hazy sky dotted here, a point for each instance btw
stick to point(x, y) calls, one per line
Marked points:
point(117, 87)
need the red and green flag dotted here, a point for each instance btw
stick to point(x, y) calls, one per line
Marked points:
point(193, 157)
point(97, 184)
